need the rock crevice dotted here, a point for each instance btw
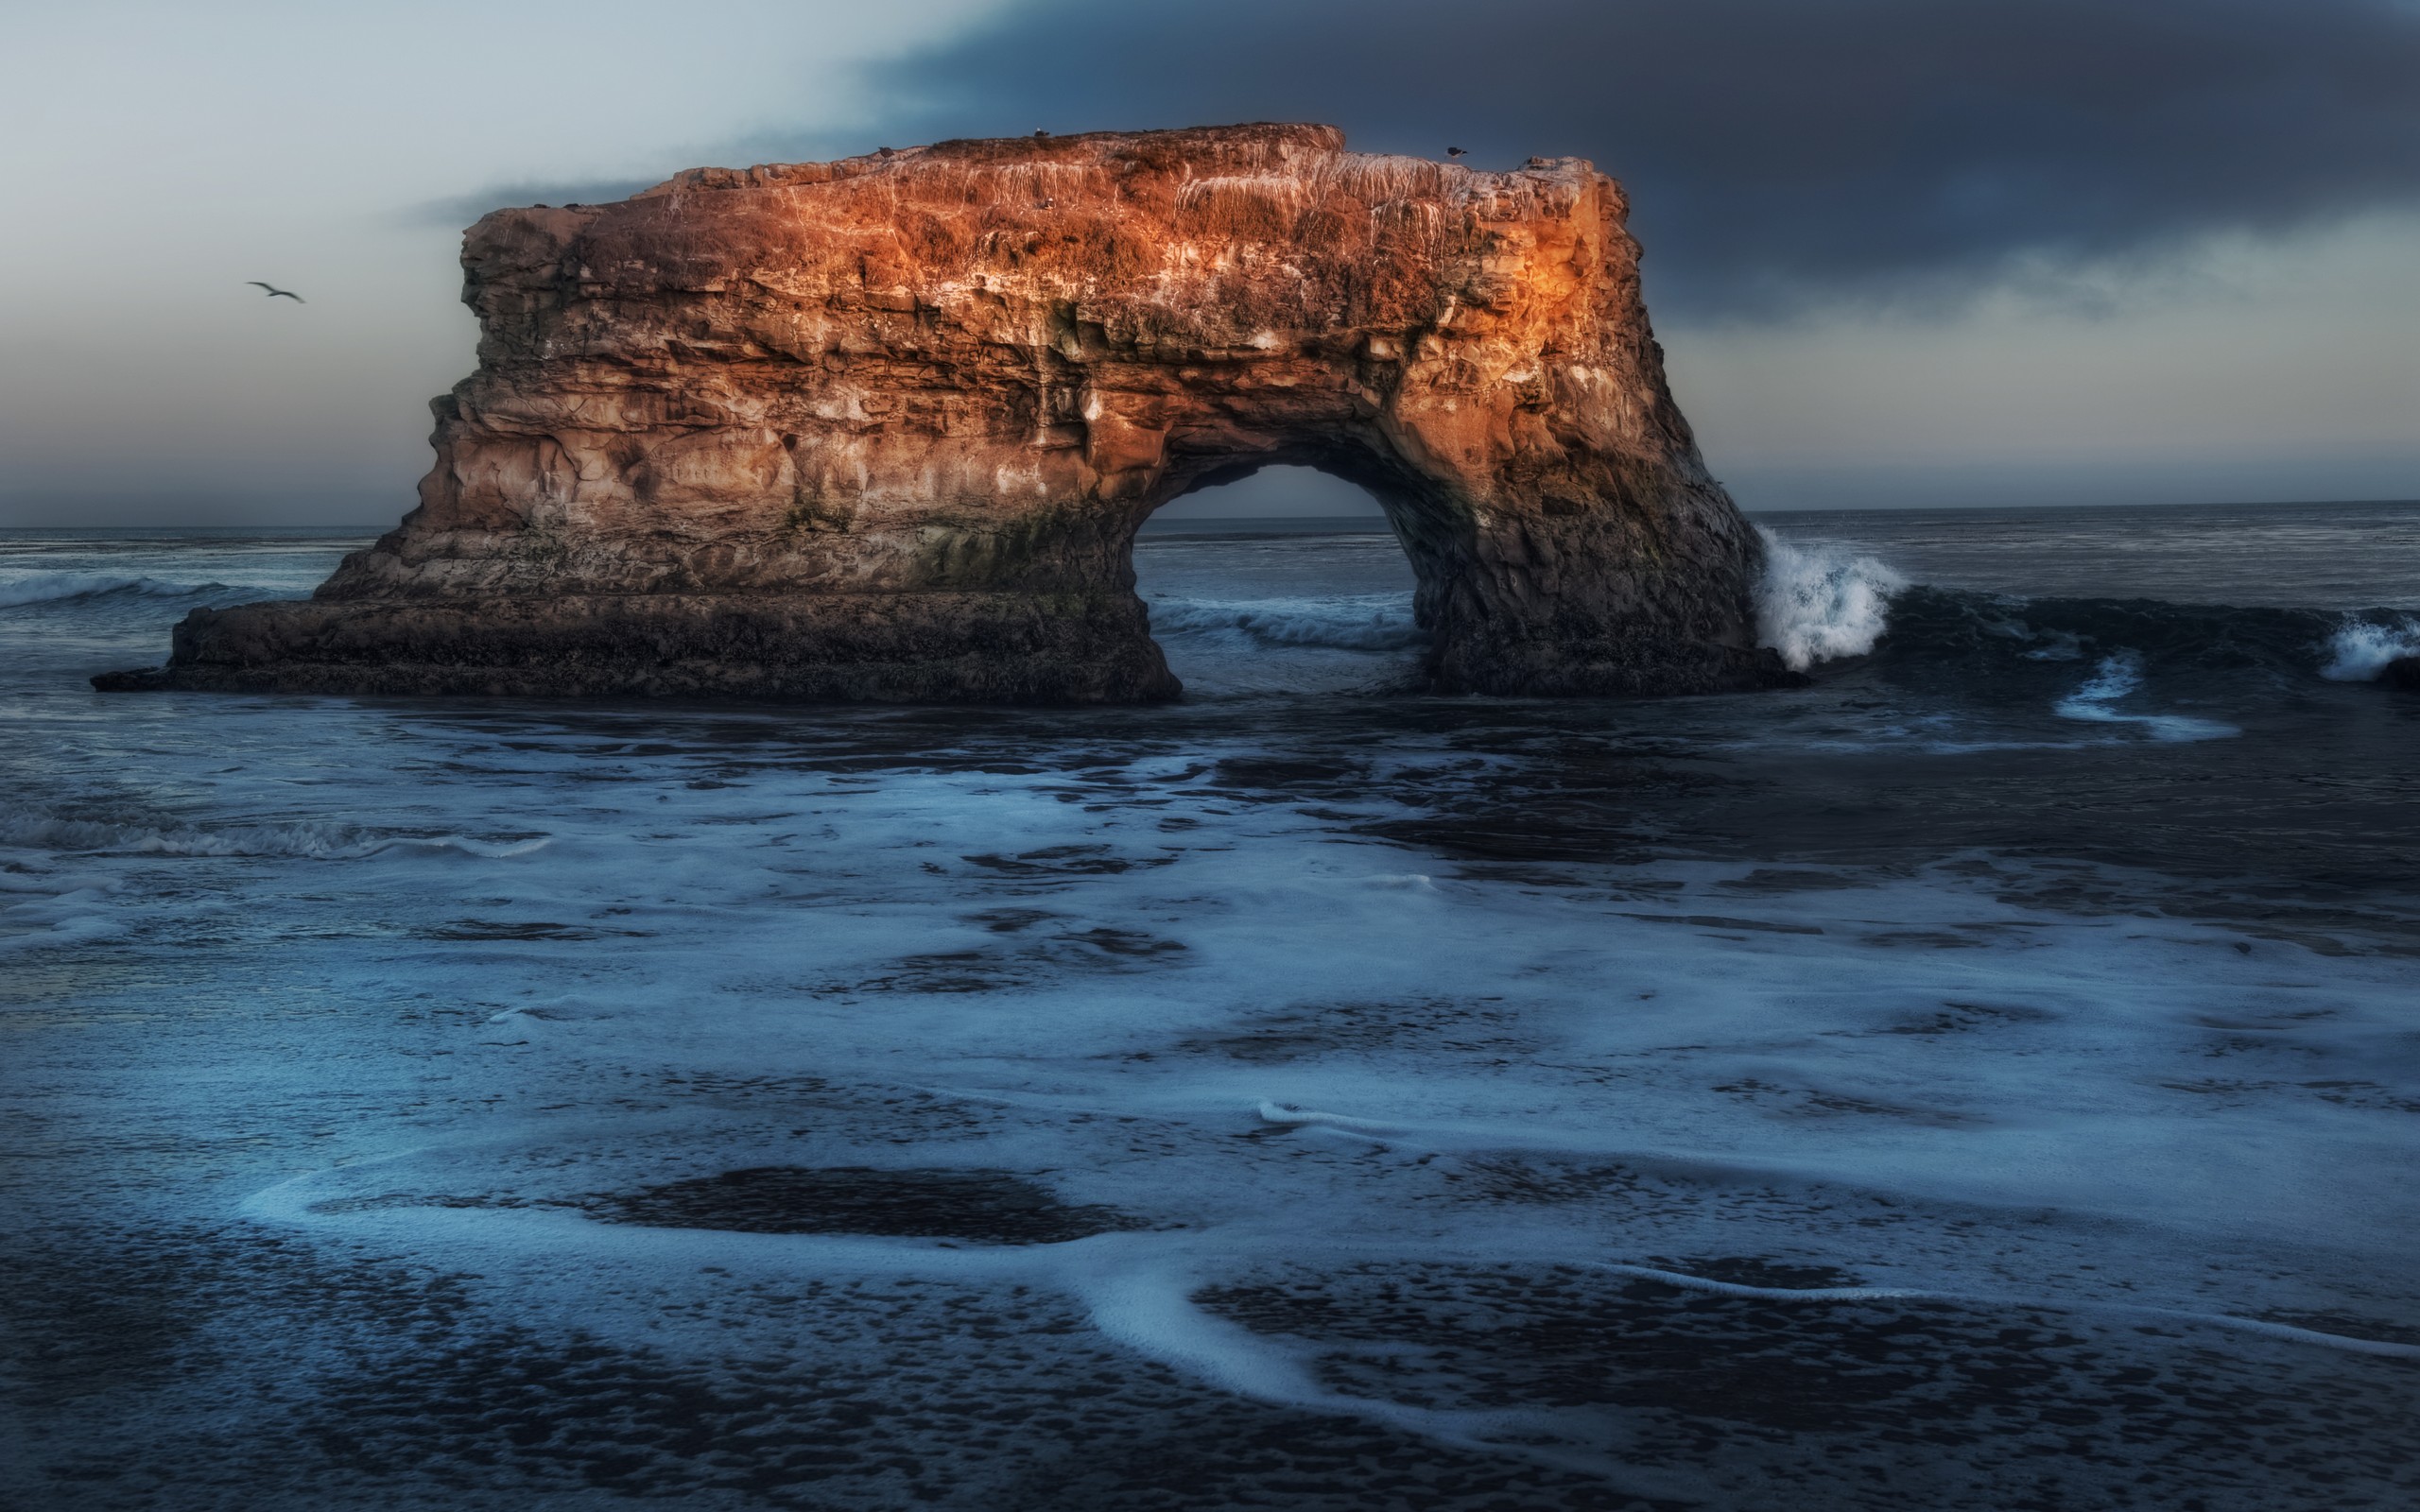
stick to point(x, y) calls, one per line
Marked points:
point(883, 429)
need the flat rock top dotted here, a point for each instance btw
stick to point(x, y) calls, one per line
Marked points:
point(1245, 225)
point(1136, 170)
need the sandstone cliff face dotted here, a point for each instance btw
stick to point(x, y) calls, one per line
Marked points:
point(884, 428)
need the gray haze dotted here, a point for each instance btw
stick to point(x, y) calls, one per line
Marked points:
point(1899, 252)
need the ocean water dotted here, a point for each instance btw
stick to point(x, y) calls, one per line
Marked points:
point(1988, 1077)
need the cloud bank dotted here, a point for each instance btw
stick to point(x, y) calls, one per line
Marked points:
point(1780, 152)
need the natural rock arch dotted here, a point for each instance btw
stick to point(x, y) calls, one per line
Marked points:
point(883, 429)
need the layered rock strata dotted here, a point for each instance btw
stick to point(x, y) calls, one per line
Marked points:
point(883, 429)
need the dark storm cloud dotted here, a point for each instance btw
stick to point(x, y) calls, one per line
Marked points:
point(1777, 151)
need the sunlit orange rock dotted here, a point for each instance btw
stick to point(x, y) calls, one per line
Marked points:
point(884, 428)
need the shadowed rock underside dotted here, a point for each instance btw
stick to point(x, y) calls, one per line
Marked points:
point(883, 429)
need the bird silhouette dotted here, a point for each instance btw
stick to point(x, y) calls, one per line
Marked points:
point(276, 293)
point(1456, 152)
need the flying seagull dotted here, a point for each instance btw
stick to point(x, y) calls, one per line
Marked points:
point(1456, 152)
point(276, 293)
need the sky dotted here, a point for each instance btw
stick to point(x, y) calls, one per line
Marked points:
point(1900, 252)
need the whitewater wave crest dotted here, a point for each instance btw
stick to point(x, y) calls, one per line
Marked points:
point(2117, 677)
point(307, 839)
point(57, 587)
point(1370, 623)
point(1820, 602)
point(2360, 648)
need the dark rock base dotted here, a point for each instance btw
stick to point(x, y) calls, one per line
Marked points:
point(1008, 648)
point(922, 647)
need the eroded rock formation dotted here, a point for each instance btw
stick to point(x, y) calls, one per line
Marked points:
point(884, 428)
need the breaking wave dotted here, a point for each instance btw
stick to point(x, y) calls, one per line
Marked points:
point(2120, 675)
point(314, 840)
point(1366, 623)
point(53, 588)
point(1819, 603)
point(2360, 649)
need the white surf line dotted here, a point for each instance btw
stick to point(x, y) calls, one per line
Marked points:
point(1459, 1140)
point(1311, 1118)
point(1150, 1310)
point(1238, 1247)
point(1137, 1289)
point(552, 1231)
point(1697, 1168)
point(1379, 1132)
point(2288, 1331)
point(289, 1202)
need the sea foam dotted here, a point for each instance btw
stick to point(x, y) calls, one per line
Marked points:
point(1820, 602)
point(307, 839)
point(2117, 676)
point(2360, 649)
point(1364, 622)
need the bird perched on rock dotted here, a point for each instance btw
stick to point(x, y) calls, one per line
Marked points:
point(276, 293)
point(1456, 152)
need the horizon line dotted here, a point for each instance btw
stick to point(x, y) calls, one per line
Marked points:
point(380, 529)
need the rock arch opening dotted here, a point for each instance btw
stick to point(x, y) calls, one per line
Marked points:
point(1288, 580)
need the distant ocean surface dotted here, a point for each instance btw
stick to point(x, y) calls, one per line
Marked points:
point(1986, 1079)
